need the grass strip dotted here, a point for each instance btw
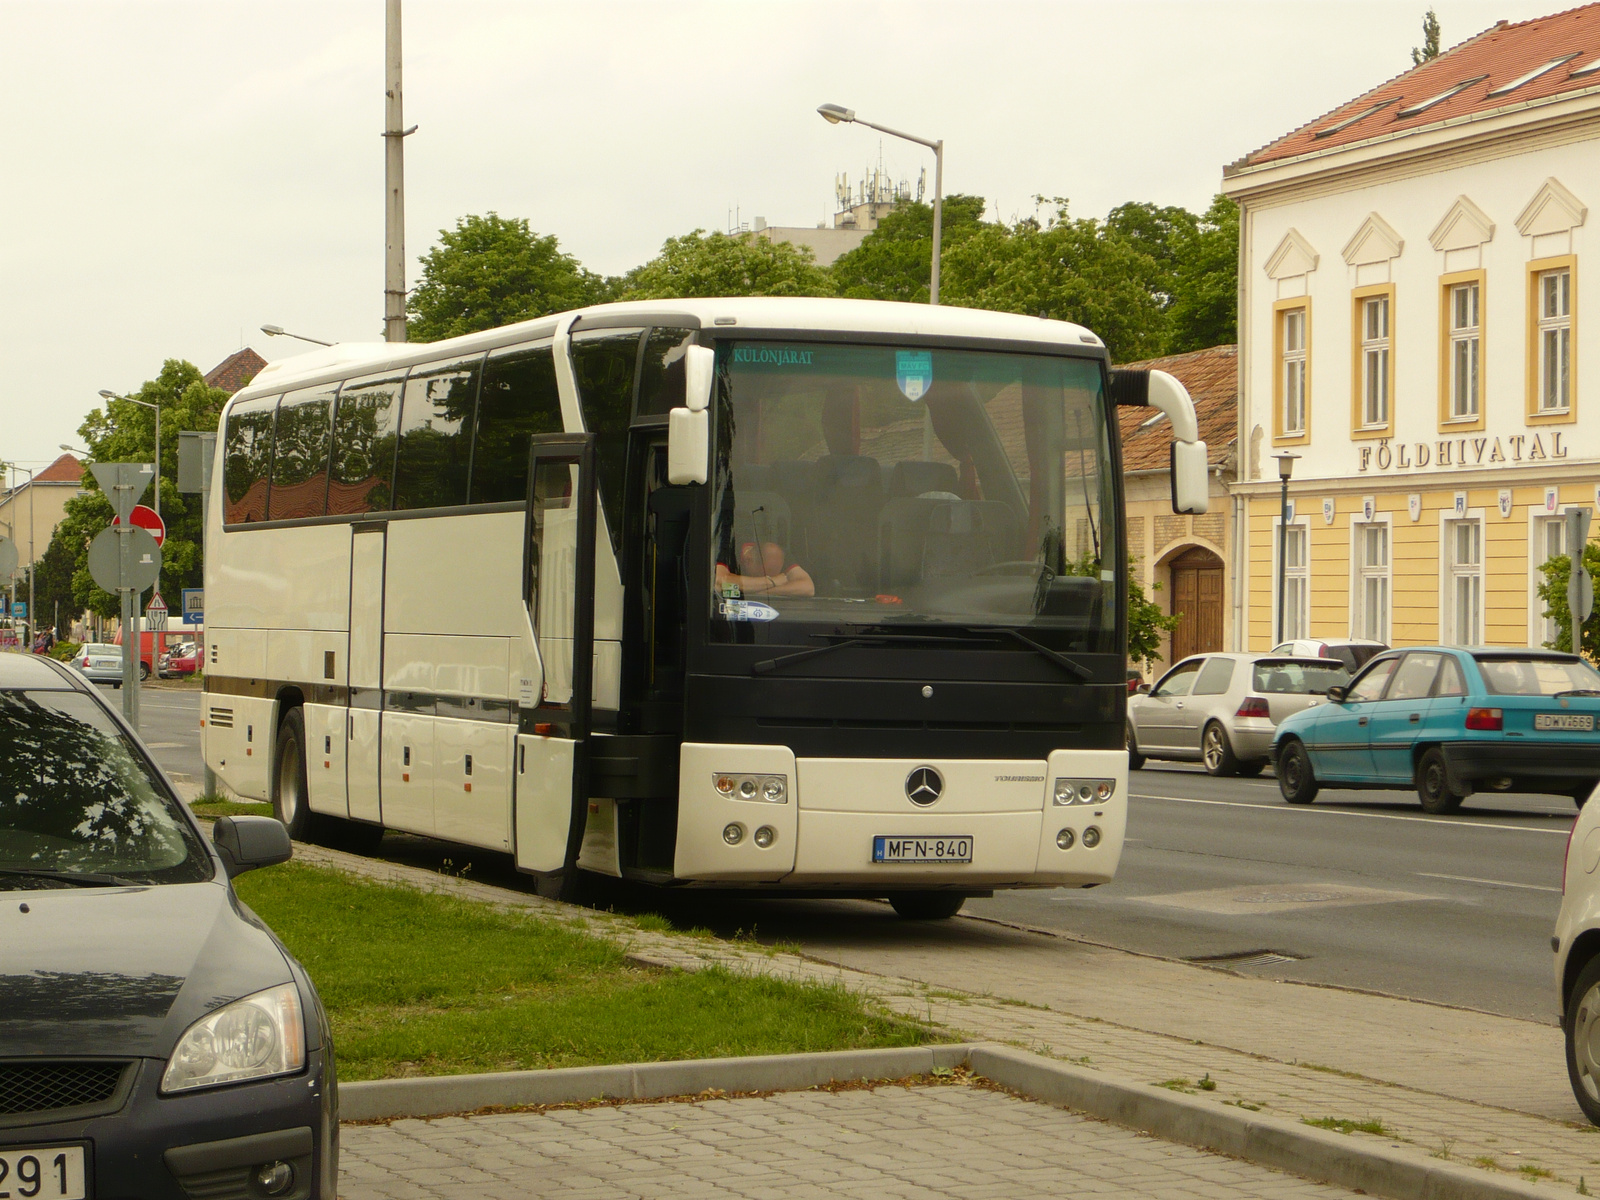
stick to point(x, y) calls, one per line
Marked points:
point(422, 984)
point(216, 806)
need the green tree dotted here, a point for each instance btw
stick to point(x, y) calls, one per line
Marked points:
point(1553, 591)
point(717, 264)
point(52, 584)
point(1146, 622)
point(125, 432)
point(1205, 297)
point(490, 271)
point(895, 260)
point(1430, 40)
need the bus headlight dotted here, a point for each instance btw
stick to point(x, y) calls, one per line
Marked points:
point(733, 833)
point(765, 836)
point(252, 1038)
point(1091, 837)
point(1084, 791)
point(774, 789)
point(1064, 839)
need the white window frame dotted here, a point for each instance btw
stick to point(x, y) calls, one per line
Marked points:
point(1297, 585)
point(1293, 367)
point(1375, 350)
point(1557, 326)
point(1365, 577)
point(1466, 338)
point(1542, 629)
point(1453, 576)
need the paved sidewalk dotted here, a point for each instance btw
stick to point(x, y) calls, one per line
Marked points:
point(890, 1142)
point(1476, 1088)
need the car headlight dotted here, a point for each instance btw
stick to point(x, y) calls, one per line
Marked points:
point(253, 1038)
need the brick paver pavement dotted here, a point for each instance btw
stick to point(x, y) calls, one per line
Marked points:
point(890, 1143)
point(1476, 1088)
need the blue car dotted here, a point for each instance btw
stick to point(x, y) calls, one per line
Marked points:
point(1449, 722)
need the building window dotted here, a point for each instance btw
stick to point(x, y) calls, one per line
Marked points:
point(1551, 543)
point(1465, 349)
point(1466, 582)
point(1555, 341)
point(1372, 583)
point(1292, 333)
point(1375, 360)
point(1297, 584)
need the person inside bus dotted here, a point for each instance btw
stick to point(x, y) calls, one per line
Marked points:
point(764, 573)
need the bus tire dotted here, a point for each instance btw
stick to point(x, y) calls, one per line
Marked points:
point(927, 906)
point(290, 795)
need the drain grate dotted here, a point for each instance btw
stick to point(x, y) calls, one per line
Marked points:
point(1247, 958)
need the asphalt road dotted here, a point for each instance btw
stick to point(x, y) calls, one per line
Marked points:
point(1360, 890)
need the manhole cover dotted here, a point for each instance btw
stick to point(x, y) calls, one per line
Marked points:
point(1247, 958)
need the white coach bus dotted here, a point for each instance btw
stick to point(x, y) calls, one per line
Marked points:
point(819, 597)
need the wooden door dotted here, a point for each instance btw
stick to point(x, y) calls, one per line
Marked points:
point(1185, 589)
point(1197, 593)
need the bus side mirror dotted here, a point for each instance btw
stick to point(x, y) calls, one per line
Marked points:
point(1189, 491)
point(688, 446)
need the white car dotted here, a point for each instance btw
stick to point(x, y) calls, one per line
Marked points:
point(1576, 943)
point(1352, 652)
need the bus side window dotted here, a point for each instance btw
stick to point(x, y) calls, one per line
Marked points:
point(661, 378)
point(364, 427)
point(300, 453)
point(247, 460)
point(605, 362)
point(436, 435)
point(518, 400)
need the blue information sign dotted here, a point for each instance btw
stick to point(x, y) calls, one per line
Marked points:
point(194, 606)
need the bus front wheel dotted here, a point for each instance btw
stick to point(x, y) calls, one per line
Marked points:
point(927, 906)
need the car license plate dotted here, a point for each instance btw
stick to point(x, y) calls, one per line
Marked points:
point(43, 1173)
point(1579, 721)
point(890, 849)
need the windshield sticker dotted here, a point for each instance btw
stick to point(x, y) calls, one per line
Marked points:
point(772, 356)
point(913, 372)
point(748, 610)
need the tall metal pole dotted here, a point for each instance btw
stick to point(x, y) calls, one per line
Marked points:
point(938, 215)
point(208, 448)
point(1283, 564)
point(394, 134)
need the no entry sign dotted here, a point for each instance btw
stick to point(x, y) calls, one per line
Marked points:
point(148, 519)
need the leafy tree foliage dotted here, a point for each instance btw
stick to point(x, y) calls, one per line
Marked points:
point(1430, 40)
point(1205, 297)
point(52, 585)
point(490, 271)
point(124, 432)
point(701, 264)
point(1553, 591)
point(1146, 622)
point(895, 260)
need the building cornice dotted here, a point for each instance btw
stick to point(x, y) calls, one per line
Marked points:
point(1436, 481)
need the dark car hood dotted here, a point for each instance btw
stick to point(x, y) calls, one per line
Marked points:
point(124, 971)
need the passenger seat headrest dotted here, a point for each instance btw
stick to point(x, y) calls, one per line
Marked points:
point(915, 478)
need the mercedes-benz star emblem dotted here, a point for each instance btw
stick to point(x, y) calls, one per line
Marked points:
point(924, 786)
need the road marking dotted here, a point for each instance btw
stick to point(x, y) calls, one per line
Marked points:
point(1532, 887)
point(163, 745)
point(1344, 812)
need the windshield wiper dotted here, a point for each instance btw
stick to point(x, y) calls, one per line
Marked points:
point(1076, 669)
point(75, 878)
point(1577, 692)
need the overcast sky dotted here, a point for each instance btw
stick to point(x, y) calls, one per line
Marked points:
point(177, 174)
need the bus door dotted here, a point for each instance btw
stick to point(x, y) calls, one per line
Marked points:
point(558, 587)
point(368, 545)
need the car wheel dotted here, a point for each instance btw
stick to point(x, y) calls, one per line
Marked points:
point(1135, 759)
point(1296, 780)
point(1433, 784)
point(144, 672)
point(927, 906)
point(1251, 769)
point(289, 791)
point(1583, 1040)
point(1216, 751)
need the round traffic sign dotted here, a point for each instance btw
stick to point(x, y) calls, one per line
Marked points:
point(8, 558)
point(106, 563)
point(148, 519)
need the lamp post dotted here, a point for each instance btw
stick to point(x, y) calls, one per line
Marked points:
point(836, 114)
point(280, 331)
point(1285, 469)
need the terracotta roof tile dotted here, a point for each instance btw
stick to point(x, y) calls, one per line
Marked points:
point(1488, 62)
point(1212, 378)
point(65, 469)
point(233, 372)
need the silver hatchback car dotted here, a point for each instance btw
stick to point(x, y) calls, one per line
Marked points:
point(101, 662)
point(1223, 709)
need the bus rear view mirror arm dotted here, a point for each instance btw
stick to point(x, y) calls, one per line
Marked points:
point(1157, 389)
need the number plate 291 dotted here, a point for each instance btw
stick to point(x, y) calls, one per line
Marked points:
point(43, 1172)
point(955, 849)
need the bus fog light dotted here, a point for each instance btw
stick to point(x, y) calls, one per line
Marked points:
point(1091, 837)
point(274, 1178)
point(733, 833)
point(1064, 839)
point(765, 836)
point(725, 784)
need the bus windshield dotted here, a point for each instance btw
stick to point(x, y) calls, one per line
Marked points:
point(872, 484)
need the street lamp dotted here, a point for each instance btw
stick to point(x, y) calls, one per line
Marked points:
point(1285, 469)
point(78, 450)
point(280, 331)
point(835, 114)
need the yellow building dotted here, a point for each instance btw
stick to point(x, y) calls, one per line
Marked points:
point(1410, 276)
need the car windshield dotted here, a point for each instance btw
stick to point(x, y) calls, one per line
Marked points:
point(861, 484)
point(76, 797)
point(1533, 676)
point(102, 648)
point(1297, 678)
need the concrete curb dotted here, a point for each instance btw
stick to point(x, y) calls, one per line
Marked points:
point(1398, 1172)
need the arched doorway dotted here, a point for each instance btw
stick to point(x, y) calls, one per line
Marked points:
point(1196, 593)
